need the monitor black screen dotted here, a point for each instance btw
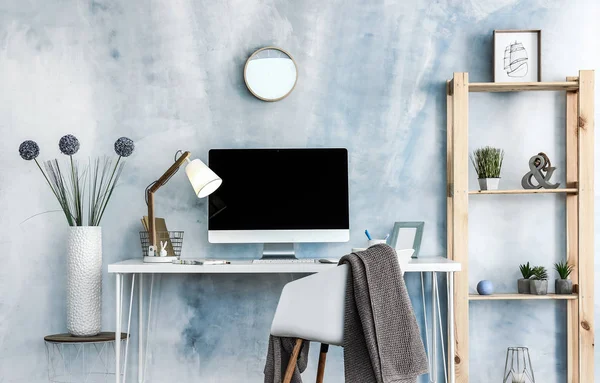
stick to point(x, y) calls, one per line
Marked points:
point(279, 189)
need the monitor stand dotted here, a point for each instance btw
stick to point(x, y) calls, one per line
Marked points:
point(279, 251)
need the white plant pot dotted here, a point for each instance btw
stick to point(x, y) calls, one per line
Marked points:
point(488, 183)
point(84, 280)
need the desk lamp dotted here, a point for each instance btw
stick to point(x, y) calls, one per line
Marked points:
point(203, 180)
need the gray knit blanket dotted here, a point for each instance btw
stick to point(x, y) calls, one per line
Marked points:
point(382, 341)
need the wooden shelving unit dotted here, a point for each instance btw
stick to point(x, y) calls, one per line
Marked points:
point(579, 199)
point(521, 297)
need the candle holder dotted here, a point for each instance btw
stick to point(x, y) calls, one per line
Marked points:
point(517, 368)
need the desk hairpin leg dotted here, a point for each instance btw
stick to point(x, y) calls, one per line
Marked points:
point(140, 328)
point(427, 344)
point(439, 318)
point(143, 349)
point(436, 320)
point(128, 327)
point(451, 362)
point(121, 365)
point(431, 342)
point(118, 296)
point(434, 328)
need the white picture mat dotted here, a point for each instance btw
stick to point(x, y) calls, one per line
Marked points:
point(530, 42)
point(406, 238)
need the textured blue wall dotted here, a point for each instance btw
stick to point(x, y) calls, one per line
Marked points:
point(168, 74)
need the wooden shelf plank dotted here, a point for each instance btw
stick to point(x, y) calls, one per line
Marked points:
point(585, 213)
point(525, 297)
point(526, 191)
point(522, 86)
point(572, 229)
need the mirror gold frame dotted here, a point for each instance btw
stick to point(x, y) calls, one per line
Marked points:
point(256, 53)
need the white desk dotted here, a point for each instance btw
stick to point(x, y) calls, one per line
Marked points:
point(137, 267)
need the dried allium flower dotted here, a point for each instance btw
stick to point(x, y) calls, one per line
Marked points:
point(68, 144)
point(29, 150)
point(124, 146)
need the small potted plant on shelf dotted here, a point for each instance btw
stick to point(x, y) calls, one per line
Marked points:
point(538, 283)
point(523, 283)
point(563, 285)
point(488, 164)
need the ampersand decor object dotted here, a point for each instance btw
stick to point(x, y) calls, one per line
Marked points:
point(541, 169)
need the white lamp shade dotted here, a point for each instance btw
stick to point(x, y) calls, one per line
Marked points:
point(203, 180)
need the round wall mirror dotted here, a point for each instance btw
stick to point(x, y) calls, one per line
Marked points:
point(270, 74)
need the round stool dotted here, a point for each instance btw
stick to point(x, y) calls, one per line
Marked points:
point(81, 359)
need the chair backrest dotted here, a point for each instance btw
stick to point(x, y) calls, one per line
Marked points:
point(312, 308)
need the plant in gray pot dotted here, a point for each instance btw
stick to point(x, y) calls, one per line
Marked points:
point(523, 283)
point(538, 284)
point(563, 285)
point(488, 164)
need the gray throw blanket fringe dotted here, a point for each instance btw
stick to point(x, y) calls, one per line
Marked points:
point(382, 341)
point(280, 350)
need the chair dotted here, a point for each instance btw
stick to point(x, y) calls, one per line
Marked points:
point(312, 309)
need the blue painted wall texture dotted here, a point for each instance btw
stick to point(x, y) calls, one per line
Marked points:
point(168, 74)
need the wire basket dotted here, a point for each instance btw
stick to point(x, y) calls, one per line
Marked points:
point(174, 241)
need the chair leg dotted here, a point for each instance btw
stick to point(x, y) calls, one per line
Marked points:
point(322, 360)
point(289, 372)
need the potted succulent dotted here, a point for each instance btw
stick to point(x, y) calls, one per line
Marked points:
point(538, 283)
point(488, 164)
point(563, 285)
point(523, 283)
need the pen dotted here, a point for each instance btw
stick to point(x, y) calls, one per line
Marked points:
point(387, 236)
point(216, 262)
point(368, 235)
point(197, 262)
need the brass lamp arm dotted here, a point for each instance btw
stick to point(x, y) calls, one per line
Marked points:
point(160, 182)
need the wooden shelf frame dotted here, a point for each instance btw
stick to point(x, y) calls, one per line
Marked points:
point(525, 191)
point(569, 86)
point(579, 216)
point(522, 297)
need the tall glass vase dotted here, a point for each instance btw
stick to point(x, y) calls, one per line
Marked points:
point(84, 280)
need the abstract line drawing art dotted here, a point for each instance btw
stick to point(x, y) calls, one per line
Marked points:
point(517, 55)
point(516, 60)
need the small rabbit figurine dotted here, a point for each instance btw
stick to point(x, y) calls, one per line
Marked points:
point(163, 248)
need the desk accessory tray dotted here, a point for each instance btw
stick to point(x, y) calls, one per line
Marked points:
point(174, 241)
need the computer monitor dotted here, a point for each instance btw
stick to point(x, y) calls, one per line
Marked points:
point(279, 197)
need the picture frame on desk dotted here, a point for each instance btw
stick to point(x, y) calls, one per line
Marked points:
point(407, 235)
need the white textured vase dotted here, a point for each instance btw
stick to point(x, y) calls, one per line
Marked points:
point(84, 280)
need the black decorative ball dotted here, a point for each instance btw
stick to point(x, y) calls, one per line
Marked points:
point(29, 150)
point(68, 144)
point(124, 146)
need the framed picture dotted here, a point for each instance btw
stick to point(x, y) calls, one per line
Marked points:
point(407, 235)
point(518, 55)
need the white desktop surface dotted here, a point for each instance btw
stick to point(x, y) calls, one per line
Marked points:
point(137, 266)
